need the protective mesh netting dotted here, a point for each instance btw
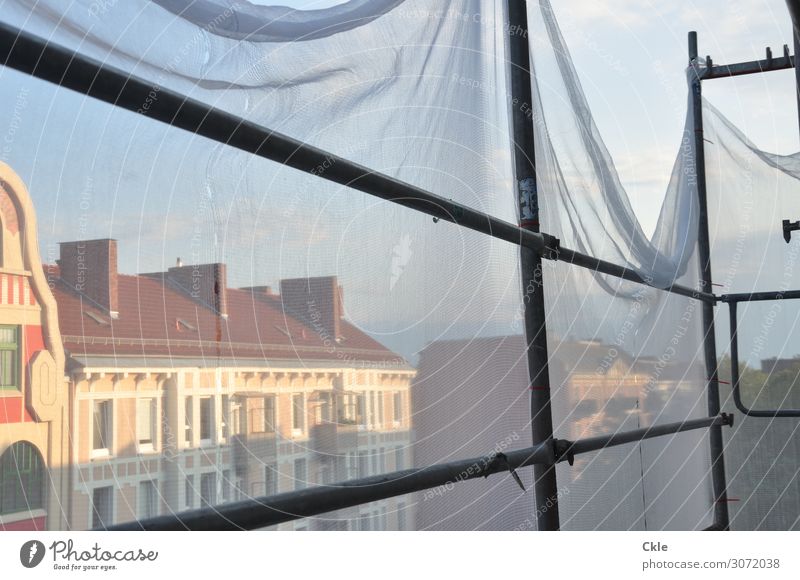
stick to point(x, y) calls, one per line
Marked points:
point(386, 340)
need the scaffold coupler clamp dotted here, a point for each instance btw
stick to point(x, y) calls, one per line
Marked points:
point(551, 248)
point(500, 462)
point(562, 450)
point(727, 419)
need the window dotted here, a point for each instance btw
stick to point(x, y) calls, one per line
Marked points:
point(102, 507)
point(226, 417)
point(146, 423)
point(208, 489)
point(401, 516)
point(9, 357)
point(325, 474)
point(206, 420)
point(399, 458)
point(398, 408)
point(324, 408)
point(270, 479)
point(188, 415)
point(188, 492)
point(21, 479)
point(269, 414)
point(352, 466)
point(348, 410)
point(226, 485)
point(262, 415)
point(370, 409)
point(298, 413)
point(361, 409)
point(235, 419)
point(363, 464)
point(379, 402)
point(101, 438)
point(148, 499)
point(300, 473)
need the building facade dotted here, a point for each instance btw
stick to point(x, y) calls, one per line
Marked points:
point(188, 393)
point(34, 406)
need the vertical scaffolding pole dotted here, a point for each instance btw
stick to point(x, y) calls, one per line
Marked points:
point(709, 340)
point(521, 104)
point(794, 12)
point(796, 35)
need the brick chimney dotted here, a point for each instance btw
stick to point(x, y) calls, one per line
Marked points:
point(206, 283)
point(90, 267)
point(316, 301)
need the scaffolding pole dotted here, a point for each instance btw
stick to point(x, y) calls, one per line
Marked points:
point(521, 104)
point(267, 511)
point(721, 518)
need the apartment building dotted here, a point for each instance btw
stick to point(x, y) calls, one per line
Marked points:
point(597, 388)
point(188, 393)
point(34, 451)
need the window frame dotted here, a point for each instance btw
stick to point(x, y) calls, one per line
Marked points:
point(108, 437)
point(206, 441)
point(149, 446)
point(298, 430)
point(94, 513)
point(14, 348)
point(19, 459)
point(148, 497)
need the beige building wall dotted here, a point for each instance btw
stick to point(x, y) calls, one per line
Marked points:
point(179, 466)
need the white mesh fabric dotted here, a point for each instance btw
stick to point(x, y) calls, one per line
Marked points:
point(415, 89)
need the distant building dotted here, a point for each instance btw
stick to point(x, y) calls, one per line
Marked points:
point(776, 365)
point(34, 418)
point(188, 393)
point(471, 397)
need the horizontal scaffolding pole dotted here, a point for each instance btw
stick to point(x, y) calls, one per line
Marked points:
point(603, 441)
point(37, 57)
point(748, 68)
point(293, 505)
point(761, 296)
point(272, 510)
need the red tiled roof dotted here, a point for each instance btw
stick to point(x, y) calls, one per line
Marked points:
point(157, 319)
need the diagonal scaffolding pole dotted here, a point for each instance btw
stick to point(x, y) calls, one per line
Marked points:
point(721, 518)
point(35, 56)
point(545, 485)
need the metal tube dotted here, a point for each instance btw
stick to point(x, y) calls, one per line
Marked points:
point(521, 100)
point(604, 441)
point(735, 378)
point(601, 266)
point(271, 510)
point(268, 511)
point(759, 296)
point(719, 71)
point(796, 37)
point(721, 517)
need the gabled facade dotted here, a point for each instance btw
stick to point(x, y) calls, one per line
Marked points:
point(34, 411)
